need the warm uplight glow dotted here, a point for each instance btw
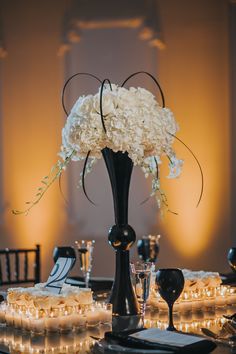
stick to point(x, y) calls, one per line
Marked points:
point(193, 227)
point(201, 109)
point(32, 135)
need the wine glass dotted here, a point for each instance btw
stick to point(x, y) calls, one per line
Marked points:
point(232, 258)
point(170, 283)
point(85, 249)
point(148, 248)
point(141, 275)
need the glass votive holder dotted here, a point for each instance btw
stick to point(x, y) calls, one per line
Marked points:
point(105, 313)
point(65, 319)
point(9, 316)
point(231, 298)
point(197, 301)
point(37, 325)
point(221, 297)
point(25, 322)
point(3, 307)
point(209, 299)
point(52, 321)
point(17, 320)
point(78, 319)
point(92, 317)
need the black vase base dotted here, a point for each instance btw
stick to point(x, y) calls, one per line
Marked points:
point(121, 323)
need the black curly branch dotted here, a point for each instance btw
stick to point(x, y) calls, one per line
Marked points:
point(153, 78)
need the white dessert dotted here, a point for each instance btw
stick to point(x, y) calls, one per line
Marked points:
point(37, 309)
point(40, 298)
point(200, 289)
point(198, 280)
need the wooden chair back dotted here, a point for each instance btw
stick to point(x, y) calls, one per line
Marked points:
point(19, 266)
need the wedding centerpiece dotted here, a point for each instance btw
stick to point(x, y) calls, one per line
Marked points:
point(126, 127)
point(132, 122)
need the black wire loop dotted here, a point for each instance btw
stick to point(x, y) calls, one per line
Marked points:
point(68, 81)
point(153, 78)
point(101, 109)
point(199, 166)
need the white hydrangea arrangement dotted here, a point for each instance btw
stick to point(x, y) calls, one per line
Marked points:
point(134, 123)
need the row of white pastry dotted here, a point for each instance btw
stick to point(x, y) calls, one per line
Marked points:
point(36, 309)
point(201, 289)
point(195, 280)
point(41, 298)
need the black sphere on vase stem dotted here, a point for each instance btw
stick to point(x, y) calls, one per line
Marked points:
point(231, 257)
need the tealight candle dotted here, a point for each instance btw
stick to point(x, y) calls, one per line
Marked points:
point(2, 313)
point(17, 320)
point(105, 312)
point(221, 297)
point(65, 322)
point(37, 325)
point(93, 318)
point(9, 318)
point(25, 322)
point(52, 324)
point(78, 320)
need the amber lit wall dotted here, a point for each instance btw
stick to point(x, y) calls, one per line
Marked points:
point(193, 70)
point(31, 124)
point(195, 74)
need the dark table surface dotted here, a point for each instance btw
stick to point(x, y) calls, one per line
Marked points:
point(17, 341)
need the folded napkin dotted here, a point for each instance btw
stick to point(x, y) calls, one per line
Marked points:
point(154, 338)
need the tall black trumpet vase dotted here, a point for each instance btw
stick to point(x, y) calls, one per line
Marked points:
point(121, 235)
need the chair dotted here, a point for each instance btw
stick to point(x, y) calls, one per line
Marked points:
point(19, 266)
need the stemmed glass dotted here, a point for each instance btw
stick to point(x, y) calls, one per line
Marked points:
point(148, 248)
point(85, 249)
point(170, 283)
point(141, 274)
point(232, 258)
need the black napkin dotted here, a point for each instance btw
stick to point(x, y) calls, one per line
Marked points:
point(228, 279)
point(154, 338)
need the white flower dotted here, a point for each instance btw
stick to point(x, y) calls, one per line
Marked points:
point(134, 122)
point(108, 103)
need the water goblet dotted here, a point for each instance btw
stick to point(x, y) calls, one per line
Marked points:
point(141, 275)
point(170, 283)
point(232, 258)
point(148, 248)
point(85, 249)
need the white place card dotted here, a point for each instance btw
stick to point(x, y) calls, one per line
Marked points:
point(59, 274)
point(176, 339)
